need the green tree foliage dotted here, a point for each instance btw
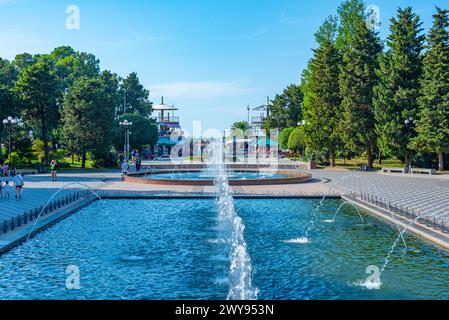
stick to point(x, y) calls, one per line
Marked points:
point(433, 124)
point(23, 61)
point(71, 65)
point(284, 136)
point(396, 95)
point(240, 128)
point(357, 80)
point(37, 88)
point(285, 110)
point(322, 99)
point(351, 13)
point(143, 131)
point(328, 30)
point(297, 139)
point(8, 103)
point(136, 96)
point(88, 117)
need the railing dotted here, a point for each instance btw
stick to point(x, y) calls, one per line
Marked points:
point(406, 212)
point(168, 119)
point(258, 119)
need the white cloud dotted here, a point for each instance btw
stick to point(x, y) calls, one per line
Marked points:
point(200, 90)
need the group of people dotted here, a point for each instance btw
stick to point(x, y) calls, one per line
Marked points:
point(15, 185)
point(126, 165)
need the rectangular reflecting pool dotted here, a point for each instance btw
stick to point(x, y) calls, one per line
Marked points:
point(174, 249)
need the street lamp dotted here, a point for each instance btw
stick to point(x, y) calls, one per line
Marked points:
point(126, 124)
point(9, 123)
point(409, 126)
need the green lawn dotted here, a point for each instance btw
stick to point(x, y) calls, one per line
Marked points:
point(73, 166)
point(354, 164)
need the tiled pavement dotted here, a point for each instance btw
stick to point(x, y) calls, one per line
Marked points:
point(39, 189)
point(427, 195)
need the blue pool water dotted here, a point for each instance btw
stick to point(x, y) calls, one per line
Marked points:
point(233, 175)
point(172, 249)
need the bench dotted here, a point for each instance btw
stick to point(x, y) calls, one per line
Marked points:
point(392, 170)
point(424, 171)
point(27, 171)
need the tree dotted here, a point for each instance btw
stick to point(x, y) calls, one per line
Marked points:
point(71, 65)
point(285, 110)
point(23, 61)
point(351, 14)
point(240, 128)
point(322, 99)
point(433, 124)
point(136, 96)
point(88, 117)
point(296, 140)
point(328, 30)
point(8, 101)
point(396, 94)
point(37, 88)
point(357, 80)
point(143, 131)
point(284, 136)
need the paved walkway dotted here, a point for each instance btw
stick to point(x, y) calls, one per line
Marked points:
point(428, 195)
point(39, 189)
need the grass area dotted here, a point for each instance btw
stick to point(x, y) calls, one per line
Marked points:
point(354, 164)
point(72, 166)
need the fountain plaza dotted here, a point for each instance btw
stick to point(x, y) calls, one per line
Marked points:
point(334, 235)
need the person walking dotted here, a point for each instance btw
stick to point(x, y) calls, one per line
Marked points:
point(18, 185)
point(7, 189)
point(5, 169)
point(125, 168)
point(138, 164)
point(53, 169)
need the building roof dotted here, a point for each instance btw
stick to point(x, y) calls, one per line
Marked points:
point(164, 107)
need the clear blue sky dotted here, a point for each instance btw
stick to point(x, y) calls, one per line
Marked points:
point(210, 58)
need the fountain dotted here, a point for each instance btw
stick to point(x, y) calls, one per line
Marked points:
point(51, 199)
point(240, 271)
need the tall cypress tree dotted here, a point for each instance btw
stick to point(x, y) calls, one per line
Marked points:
point(433, 124)
point(357, 80)
point(396, 95)
point(322, 99)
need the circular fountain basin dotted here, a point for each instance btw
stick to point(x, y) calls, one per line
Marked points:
point(206, 178)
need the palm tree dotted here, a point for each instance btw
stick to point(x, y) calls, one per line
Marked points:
point(239, 128)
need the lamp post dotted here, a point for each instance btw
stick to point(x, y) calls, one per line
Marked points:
point(9, 123)
point(126, 124)
point(248, 109)
point(409, 125)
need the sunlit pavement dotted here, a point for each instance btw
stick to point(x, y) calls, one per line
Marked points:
point(428, 195)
